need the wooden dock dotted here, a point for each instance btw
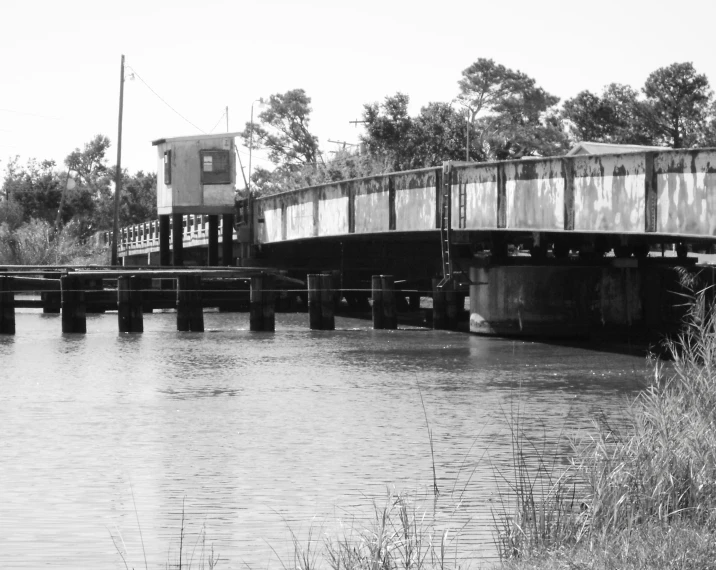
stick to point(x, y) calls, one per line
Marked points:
point(76, 291)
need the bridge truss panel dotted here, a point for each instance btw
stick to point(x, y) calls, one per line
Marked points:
point(686, 192)
point(609, 192)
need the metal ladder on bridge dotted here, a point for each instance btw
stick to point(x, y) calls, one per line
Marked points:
point(449, 265)
point(445, 231)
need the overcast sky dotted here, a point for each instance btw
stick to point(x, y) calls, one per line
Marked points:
point(60, 60)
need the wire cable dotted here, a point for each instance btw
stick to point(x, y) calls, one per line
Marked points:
point(134, 71)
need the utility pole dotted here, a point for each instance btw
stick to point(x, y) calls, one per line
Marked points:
point(227, 118)
point(118, 175)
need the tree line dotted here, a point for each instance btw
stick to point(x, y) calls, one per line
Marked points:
point(48, 214)
point(497, 114)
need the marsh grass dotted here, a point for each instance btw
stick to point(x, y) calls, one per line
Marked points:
point(649, 485)
point(400, 534)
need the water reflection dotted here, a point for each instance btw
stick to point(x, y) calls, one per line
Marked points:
point(252, 431)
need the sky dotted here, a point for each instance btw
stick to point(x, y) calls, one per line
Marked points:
point(60, 61)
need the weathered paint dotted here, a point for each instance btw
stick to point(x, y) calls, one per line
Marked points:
point(372, 207)
point(300, 221)
point(686, 192)
point(480, 189)
point(535, 195)
point(415, 200)
point(333, 210)
point(186, 194)
point(563, 301)
point(609, 193)
point(605, 193)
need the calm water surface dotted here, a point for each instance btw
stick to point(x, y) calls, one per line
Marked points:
point(256, 433)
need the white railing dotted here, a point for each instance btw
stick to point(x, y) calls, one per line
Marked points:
point(145, 236)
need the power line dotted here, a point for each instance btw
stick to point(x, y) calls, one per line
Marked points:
point(134, 72)
point(217, 122)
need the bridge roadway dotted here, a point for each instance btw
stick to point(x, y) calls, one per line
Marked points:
point(446, 221)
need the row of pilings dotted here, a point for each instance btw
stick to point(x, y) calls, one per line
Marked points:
point(134, 297)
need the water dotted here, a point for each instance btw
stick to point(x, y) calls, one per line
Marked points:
point(253, 434)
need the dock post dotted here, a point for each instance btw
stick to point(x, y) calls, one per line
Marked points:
point(129, 304)
point(51, 300)
point(7, 306)
point(328, 303)
point(451, 308)
point(390, 318)
point(190, 313)
point(227, 243)
point(439, 316)
point(74, 309)
point(213, 240)
point(268, 304)
point(177, 240)
point(256, 313)
point(315, 320)
point(376, 285)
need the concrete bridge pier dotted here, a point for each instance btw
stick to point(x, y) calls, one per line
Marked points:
point(611, 298)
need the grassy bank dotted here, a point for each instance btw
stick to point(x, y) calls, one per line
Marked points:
point(641, 498)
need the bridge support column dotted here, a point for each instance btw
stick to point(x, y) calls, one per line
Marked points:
point(129, 304)
point(74, 308)
point(190, 312)
point(213, 240)
point(177, 240)
point(262, 308)
point(227, 244)
point(618, 299)
point(7, 306)
point(165, 256)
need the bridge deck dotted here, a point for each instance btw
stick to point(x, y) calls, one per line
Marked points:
point(644, 197)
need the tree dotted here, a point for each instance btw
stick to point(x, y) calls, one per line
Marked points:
point(509, 114)
point(35, 189)
point(88, 199)
point(283, 130)
point(387, 125)
point(678, 102)
point(615, 117)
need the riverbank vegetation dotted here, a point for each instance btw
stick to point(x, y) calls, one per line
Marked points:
point(50, 216)
point(642, 497)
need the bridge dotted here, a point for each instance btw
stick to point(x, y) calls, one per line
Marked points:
point(557, 245)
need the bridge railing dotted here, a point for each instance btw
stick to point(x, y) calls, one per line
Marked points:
point(671, 192)
point(139, 238)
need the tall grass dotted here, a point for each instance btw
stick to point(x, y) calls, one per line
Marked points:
point(636, 489)
point(37, 243)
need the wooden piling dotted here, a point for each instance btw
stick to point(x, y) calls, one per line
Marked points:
point(439, 314)
point(451, 308)
point(268, 304)
point(7, 306)
point(376, 286)
point(314, 302)
point(328, 303)
point(129, 304)
point(256, 314)
point(213, 240)
point(227, 236)
point(177, 240)
point(390, 316)
point(190, 312)
point(74, 308)
point(165, 254)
